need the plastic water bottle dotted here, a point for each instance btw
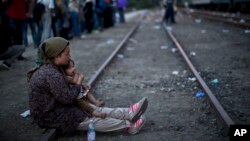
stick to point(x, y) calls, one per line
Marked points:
point(91, 131)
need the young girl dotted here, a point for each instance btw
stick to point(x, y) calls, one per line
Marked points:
point(85, 100)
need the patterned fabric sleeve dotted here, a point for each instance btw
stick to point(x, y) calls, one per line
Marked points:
point(60, 89)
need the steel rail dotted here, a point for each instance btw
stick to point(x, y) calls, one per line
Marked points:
point(112, 55)
point(221, 14)
point(220, 110)
point(221, 19)
point(52, 133)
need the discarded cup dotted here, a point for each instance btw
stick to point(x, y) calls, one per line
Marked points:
point(110, 41)
point(192, 79)
point(192, 53)
point(198, 21)
point(215, 81)
point(175, 72)
point(25, 114)
point(200, 94)
point(120, 56)
point(174, 50)
point(164, 47)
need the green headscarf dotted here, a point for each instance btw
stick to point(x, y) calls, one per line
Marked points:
point(49, 49)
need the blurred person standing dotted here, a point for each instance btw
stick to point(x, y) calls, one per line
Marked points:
point(45, 25)
point(63, 18)
point(30, 23)
point(100, 6)
point(169, 11)
point(88, 14)
point(121, 5)
point(108, 14)
point(9, 50)
point(74, 6)
point(16, 13)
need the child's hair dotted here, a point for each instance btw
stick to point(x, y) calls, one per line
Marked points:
point(64, 67)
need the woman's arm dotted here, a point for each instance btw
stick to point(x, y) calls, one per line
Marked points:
point(60, 89)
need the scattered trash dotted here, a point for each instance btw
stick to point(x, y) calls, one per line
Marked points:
point(169, 28)
point(203, 31)
point(192, 79)
point(175, 72)
point(225, 30)
point(110, 41)
point(133, 41)
point(83, 36)
point(157, 27)
point(25, 114)
point(157, 20)
point(247, 31)
point(198, 21)
point(162, 88)
point(120, 56)
point(184, 72)
point(152, 92)
point(191, 10)
point(192, 53)
point(215, 81)
point(130, 48)
point(174, 50)
point(200, 94)
point(242, 21)
point(164, 47)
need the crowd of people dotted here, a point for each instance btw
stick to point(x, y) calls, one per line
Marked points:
point(52, 18)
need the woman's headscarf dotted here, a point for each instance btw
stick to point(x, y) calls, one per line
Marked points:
point(49, 49)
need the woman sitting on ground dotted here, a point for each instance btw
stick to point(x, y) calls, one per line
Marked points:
point(52, 99)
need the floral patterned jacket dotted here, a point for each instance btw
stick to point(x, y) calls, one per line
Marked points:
point(52, 100)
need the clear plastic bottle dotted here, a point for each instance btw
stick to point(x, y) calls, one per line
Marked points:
point(91, 131)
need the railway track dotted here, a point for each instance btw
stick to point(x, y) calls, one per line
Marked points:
point(169, 102)
point(233, 19)
point(214, 101)
point(222, 114)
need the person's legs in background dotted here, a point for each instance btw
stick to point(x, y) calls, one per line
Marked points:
point(11, 54)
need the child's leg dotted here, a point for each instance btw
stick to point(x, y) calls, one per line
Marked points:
point(118, 113)
point(85, 105)
point(94, 101)
point(112, 124)
point(132, 113)
point(105, 125)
